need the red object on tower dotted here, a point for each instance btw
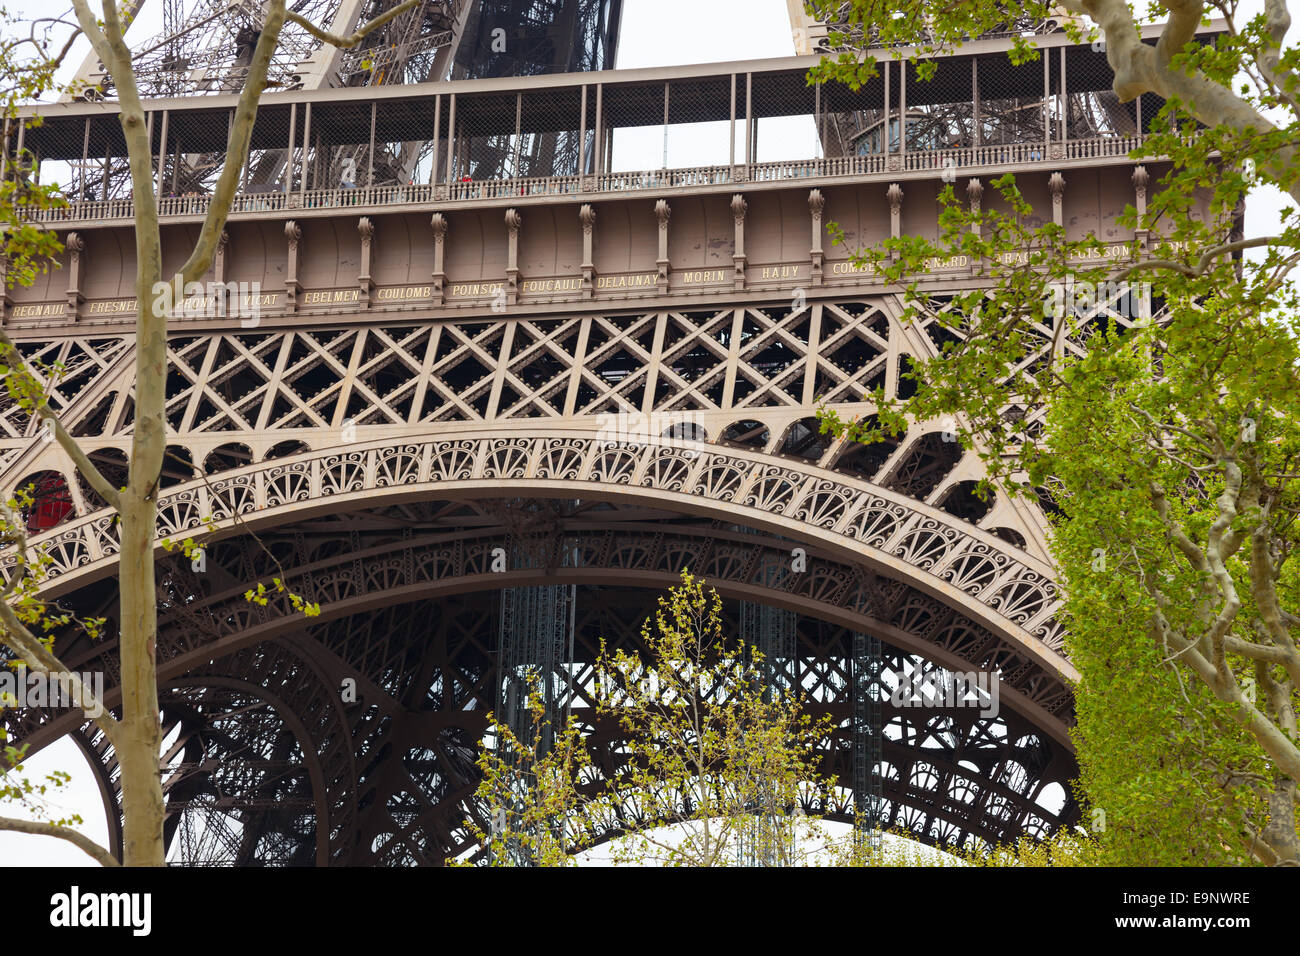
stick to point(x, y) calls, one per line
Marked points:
point(52, 503)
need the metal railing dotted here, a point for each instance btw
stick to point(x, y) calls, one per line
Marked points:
point(839, 167)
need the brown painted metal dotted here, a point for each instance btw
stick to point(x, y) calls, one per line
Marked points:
point(653, 348)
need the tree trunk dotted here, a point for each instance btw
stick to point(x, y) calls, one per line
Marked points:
point(1280, 834)
point(141, 779)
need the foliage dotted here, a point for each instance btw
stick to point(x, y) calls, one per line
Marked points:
point(32, 794)
point(1163, 438)
point(532, 794)
point(716, 759)
point(713, 743)
point(1067, 848)
point(27, 68)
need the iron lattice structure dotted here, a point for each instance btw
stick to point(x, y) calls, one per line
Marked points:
point(362, 143)
point(267, 765)
point(770, 839)
point(205, 47)
point(603, 377)
point(868, 736)
point(534, 650)
point(530, 37)
point(252, 780)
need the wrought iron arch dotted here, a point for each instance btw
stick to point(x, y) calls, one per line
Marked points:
point(975, 572)
point(204, 643)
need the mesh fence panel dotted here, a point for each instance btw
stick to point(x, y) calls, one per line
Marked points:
point(1011, 103)
point(455, 141)
point(1091, 109)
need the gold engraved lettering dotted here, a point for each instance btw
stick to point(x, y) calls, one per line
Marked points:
point(34, 311)
point(706, 275)
point(552, 285)
point(112, 308)
point(477, 288)
point(953, 262)
point(636, 281)
point(405, 292)
point(328, 298)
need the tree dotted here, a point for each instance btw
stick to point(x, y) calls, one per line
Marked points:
point(136, 733)
point(1158, 423)
point(28, 63)
point(532, 791)
point(716, 758)
point(1066, 848)
point(713, 742)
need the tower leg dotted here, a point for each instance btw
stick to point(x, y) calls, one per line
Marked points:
point(534, 649)
point(868, 790)
point(770, 838)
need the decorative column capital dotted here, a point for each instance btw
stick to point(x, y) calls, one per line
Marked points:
point(1140, 181)
point(438, 291)
point(513, 221)
point(1056, 185)
point(366, 284)
point(292, 232)
point(75, 245)
point(219, 256)
point(895, 196)
point(6, 301)
point(738, 260)
point(587, 216)
point(975, 193)
point(816, 206)
point(662, 212)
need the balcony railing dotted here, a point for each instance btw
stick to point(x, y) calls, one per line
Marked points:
point(839, 167)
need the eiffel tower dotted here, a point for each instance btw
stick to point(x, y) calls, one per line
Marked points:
point(453, 310)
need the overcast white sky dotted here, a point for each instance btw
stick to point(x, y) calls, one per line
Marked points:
point(654, 33)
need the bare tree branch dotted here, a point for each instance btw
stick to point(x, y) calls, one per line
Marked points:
point(81, 841)
point(1277, 21)
point(1202, 264)
point(1180, 29)
point(352, 39)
